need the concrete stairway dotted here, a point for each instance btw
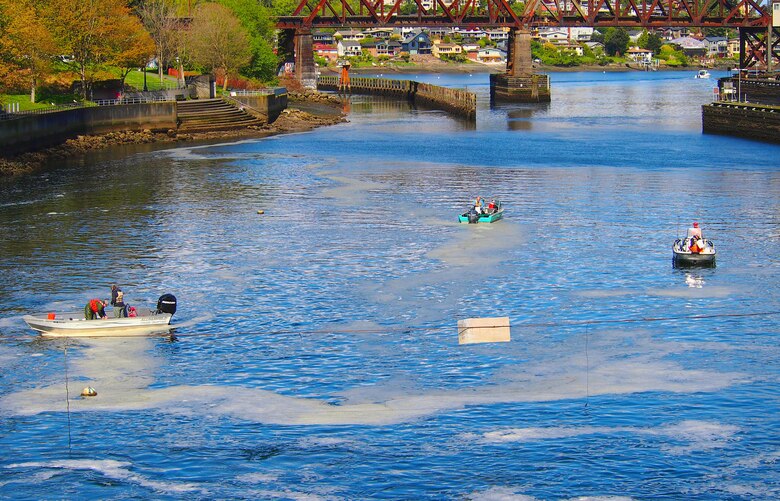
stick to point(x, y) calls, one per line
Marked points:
point(205, 115)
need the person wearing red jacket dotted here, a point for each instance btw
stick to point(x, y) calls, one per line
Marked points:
point(95, 308)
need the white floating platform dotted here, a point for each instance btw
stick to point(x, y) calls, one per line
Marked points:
point(483, 330)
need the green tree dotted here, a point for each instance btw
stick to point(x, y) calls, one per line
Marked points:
point(218, 41)
point(257, 20)
point(616, 41)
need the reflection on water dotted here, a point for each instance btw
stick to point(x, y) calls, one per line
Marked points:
point(320, 278)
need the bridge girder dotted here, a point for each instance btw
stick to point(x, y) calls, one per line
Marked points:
point(536, 13)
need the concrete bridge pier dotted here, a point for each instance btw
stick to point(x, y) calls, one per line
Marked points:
point(297, 48)
point(305, 71)
point(519, 84)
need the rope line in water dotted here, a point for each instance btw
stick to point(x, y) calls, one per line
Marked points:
point(449, 327)
point(410, 329)
point(67, 396)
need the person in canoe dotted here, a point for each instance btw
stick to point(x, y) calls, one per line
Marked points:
point(95, 308)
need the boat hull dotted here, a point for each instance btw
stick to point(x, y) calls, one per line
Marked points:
point(702, 260)
point(484, 218)
point(683, 258)
point(74, 325)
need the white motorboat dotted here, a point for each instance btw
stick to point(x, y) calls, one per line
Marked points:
point(703, 74)
point(686, 254)
point(146, 321)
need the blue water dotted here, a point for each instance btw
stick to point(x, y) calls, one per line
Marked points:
point(316, 353)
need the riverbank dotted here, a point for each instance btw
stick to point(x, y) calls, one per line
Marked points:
point(306, 111)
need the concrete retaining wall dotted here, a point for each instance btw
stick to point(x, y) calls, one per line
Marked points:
point(753, 121)
point(38, 131)
point(456, 101)
point(265, 107)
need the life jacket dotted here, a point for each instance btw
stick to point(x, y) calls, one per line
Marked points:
point(95, 305)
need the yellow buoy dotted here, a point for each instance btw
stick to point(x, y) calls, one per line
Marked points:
point(261, 211)
point(88, 392)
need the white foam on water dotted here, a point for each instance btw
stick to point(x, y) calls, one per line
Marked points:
point(618, 363)
point(695, 292)
point(760, 460)
point(502, 493)
point(117, 470)
point(350, 192)
point(258, 478)
point(699, 435)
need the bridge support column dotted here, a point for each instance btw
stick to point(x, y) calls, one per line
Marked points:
point(519, 83)
point(755, 46)
point(305, 71)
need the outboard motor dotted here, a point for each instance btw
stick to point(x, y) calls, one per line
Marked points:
point(166, 304)
point(473, 216)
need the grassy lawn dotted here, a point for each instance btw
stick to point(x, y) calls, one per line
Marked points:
point(44, 101)
point(136, 79)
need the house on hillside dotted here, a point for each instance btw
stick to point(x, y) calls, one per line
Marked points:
point(350, 35)
point(717, 47)
point(328, 51)
point(491, 55)
point(691, 47)
point(390, 48)
point(445, 49)
point(322, 37)
point(349, 48)
point(418, 42)
point(497, 34)
point(643, 56)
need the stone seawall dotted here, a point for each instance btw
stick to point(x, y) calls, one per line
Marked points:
point(456, 101)
point(753, 121)
point(38, 131)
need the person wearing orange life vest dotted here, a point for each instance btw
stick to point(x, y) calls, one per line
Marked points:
point(95, 308)
point(695, 238)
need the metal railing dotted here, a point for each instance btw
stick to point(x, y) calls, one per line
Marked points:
point(258, 92)
point(5, 115)
point(134, 100)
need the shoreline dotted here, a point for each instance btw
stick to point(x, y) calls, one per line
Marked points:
point(461, 68)
point(305, 112)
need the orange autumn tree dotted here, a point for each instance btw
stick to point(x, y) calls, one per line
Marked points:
point(26, 45)
point(134, 47)
point(92, 32)
point(217, 41)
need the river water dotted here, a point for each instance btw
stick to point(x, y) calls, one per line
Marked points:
point(316, 352)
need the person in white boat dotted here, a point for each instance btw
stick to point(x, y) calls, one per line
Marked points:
point(95, 308)
point(695, 241)
point(120, 308)
point(118, 302)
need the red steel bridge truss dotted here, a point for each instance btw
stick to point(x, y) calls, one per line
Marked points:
point(751, 17)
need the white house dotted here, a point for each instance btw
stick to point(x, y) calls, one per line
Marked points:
point(491, 55)
point(644, 56)
point(349, 48)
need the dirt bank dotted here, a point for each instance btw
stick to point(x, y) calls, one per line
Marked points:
point(306, 111)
